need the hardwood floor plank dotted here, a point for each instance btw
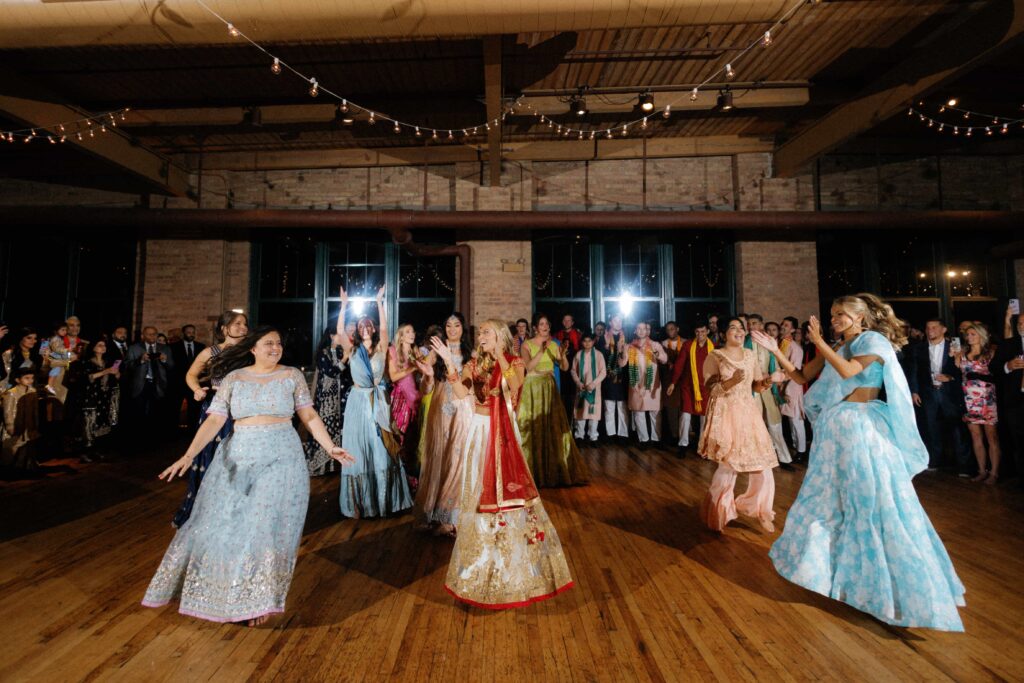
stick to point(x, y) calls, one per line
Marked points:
point(657, 597)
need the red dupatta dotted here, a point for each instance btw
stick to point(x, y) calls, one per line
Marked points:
point(507, 482)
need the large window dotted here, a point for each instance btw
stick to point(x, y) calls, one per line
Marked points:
point(297, 284)
point(702, 271)
point(93, 279)
point(638, 278)
point(561, 280)
point(922, 276)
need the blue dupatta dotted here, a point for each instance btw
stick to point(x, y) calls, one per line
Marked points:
point(830, 389)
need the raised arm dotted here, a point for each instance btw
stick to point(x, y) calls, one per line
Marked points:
point(383, 315)
point(810, 370)
point(346, 343)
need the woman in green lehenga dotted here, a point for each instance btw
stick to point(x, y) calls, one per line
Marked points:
point(548, 445)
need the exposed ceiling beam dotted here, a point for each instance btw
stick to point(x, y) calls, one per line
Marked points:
point(548, 105)
point(42, 24)
point(963, 45)
point(112, 147)
point(545, 150)
point(492, 100)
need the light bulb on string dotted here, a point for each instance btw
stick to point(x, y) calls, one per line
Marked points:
point(275, 68)
point(343, 107)
point(50, 138)
point(103, 128)
point(373, 119)
point(956, 130)
point(79, 136)
point(581, 135)
point(643, 124)
point(693, 95)
point(609, 134)
point(60, 128)
point(34, 132)
point(729, 72)
point(232, 30)
point(910, 111)
point(397, 128)
point(667, 112)
point(970, 131)
point(592, 135)
point(434, 136)
point(63, 138)
point(766, 39)
point(931, 123)
point(967, 115)
point(418, 133)
point(942, 109)
point(92, 133)
point(451, 136)
point(1005, 129)
point(314, 87)
point(988, 130)
point(625, 130)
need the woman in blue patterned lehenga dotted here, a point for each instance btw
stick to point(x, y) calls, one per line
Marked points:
point(857, 531)
point(231, 328)
point(234, 557)
point(375, 485)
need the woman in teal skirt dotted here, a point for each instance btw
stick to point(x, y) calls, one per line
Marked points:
point(375, 484)
point(857, 532)
point(233, 559)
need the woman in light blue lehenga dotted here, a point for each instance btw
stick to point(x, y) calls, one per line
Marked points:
point(375, 484)
point(857, 532)
point(232, 560)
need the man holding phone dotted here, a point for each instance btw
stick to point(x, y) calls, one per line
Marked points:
point(1009, 362)
point(935, 386)
point(147, 367)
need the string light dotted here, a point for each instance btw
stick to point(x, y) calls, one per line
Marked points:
point(578, 102)
point(939, 126)
point(419, 133)
point(668, 111)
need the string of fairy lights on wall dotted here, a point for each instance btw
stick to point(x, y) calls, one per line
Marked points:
point(967, 122)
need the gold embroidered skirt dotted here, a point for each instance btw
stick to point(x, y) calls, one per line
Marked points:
point(507, 559)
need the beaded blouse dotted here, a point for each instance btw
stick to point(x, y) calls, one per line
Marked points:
point(245, 393)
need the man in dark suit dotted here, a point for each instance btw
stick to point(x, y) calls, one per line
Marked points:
point(184, 352)
point(936, 387)
point(147, 369)
point(117, 347)
point(117, 352)
point(1009, 363)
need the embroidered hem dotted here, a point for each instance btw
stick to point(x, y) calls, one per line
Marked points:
point(511, 605)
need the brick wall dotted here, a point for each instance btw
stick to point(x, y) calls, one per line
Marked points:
point(182, 276)
point(777, 279)
point(192, 281)
point(497, 293)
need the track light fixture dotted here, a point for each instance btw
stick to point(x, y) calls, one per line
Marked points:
point(646, 101)
point(724, 100)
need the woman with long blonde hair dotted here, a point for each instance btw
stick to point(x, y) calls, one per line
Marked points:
point(507, 552)
point(857, 531)
point(405, 395)
point(980, 398)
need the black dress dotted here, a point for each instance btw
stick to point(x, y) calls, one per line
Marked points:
point(330, 393)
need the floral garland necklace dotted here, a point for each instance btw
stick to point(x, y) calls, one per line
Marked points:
point(634, 368)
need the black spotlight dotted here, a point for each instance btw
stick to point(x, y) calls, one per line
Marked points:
point(724, 100)
point(646, 102)
point(578, 106)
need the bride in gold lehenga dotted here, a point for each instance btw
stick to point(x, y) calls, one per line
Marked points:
point(507, 552)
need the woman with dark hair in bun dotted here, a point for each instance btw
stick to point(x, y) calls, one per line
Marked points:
point(234, 557)
point(230, 329)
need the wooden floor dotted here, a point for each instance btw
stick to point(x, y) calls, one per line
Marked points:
point(657, 597)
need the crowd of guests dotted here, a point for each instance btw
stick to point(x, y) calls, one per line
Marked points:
point(66, 395)
point(646, 385)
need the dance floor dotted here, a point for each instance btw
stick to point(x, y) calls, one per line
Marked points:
point(657, 596)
